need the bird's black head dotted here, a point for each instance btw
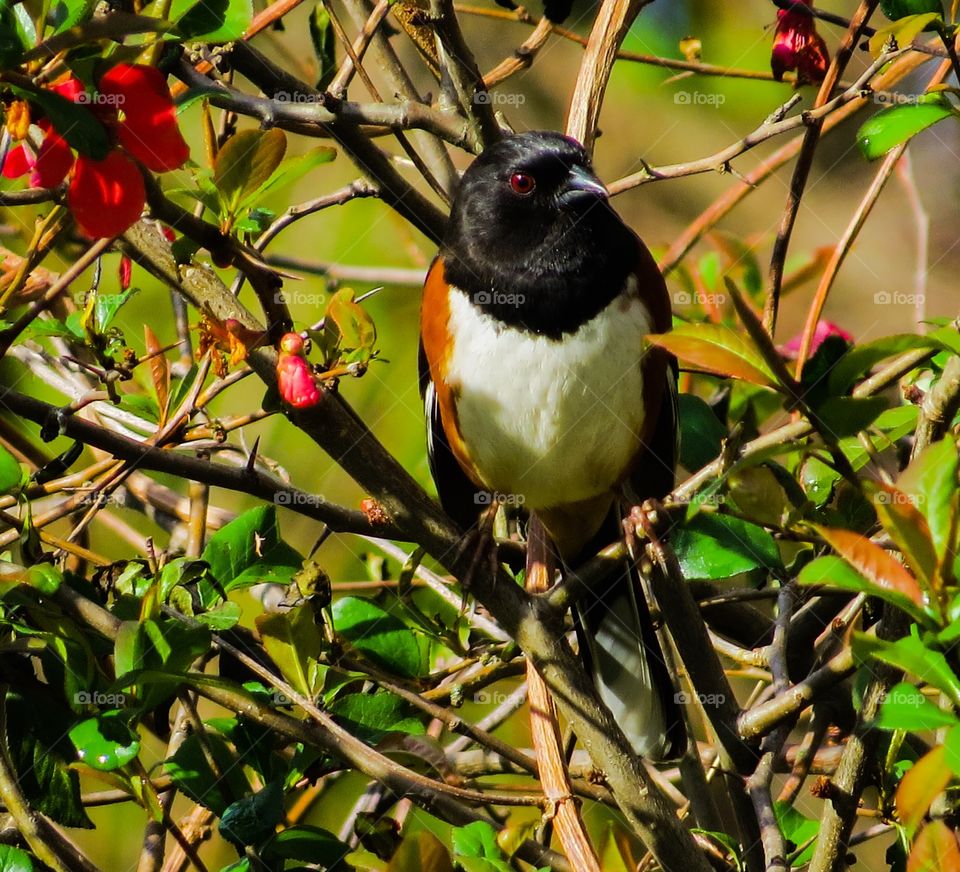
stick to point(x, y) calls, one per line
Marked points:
point(532, 236)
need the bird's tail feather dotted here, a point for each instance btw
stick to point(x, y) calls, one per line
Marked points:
point(619, 644)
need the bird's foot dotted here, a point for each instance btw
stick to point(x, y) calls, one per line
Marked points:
point(481, 544)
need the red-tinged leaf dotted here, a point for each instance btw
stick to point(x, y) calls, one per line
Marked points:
point(921, 785)
point(935, 850)
point(159, 371)
point(879, 567)
point(716, 349)
point(909, 530)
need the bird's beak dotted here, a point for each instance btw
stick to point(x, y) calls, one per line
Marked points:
point(581, 188)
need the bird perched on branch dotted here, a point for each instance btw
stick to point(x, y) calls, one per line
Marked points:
point(540, 388)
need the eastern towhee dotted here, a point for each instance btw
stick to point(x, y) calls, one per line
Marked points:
point(538, 383)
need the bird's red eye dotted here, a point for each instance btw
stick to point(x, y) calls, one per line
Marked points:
point(523, 183)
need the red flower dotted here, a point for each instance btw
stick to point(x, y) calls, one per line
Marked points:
point(824, 330)
point(107, 196)
point(798, 46)
point(295, 380)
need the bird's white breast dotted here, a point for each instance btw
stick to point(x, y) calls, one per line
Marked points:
point(553, 421)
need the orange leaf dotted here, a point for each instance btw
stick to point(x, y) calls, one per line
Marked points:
point(879, 567)
point(935, 850)
point(716, 349)
point(921, 785)
point(908, 528)
point(159, 370)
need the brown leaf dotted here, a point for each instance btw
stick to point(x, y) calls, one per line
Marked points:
point(935, 850)
point(909, 530)
point(921, 785)
point(879, 567)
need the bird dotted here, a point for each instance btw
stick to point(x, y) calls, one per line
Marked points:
point(539, 387)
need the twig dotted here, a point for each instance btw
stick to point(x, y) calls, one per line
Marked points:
point(849, 236)
point(609, 30)
point(798, 181)
point(545, 729)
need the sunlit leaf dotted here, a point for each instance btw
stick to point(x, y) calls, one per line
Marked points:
point(421, 852)
point(105, 742)
point(935, 849)
point(906, 708)
point(885, 573)
point(292, 640)
point(378, 634)
point(716, 349)
point(931, 482)
point(907, 527)
point(891, 127)
point(921, 785)
point(715, 546)
point(928, 664)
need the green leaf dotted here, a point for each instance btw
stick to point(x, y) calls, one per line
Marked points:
point(105, 742)
point(371, 715)
point(701, 433)
point(190, 770)
point(847, 416)
point(927, 664)
point(478, 841)
point(14, 860)
point(798, 829)
point(906, 708)
point(309, 845)
point(45, 577)
point(891, 127)
point(324, 45)
point(222, 617)
point(214, 21)
point(717, 349)
point(252, 819)
point(931, 482)
point(11, 45)
point(295, 168)
point(379, 635)
point(714, 546)
point(107, 306)
point(249, 550)
point(73, 122)
point(293, 641)
point(245, 162)
point(69, 13)
point(11, 475)
point(39, 750)
point(858, 361)
point(895, 9)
